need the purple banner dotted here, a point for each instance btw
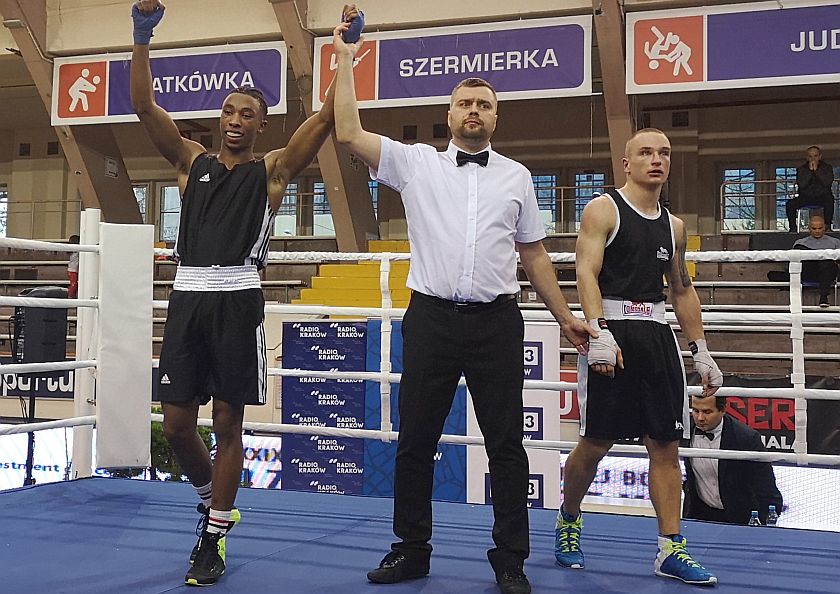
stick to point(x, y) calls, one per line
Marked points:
point(525, 59)
point(774, 43)
point(200, 82)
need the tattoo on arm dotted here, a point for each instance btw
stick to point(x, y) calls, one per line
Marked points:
point(685, 278)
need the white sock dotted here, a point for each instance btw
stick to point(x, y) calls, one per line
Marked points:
point(219, 522)
point(205, 492)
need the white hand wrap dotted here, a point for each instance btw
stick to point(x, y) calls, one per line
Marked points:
point(602, 350)
point(704, 364)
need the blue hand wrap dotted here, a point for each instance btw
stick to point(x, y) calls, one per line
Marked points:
point(353, 34)
point(144, 24)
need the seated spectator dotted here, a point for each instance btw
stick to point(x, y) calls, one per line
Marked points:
point(73, 270)
point(814, 179)
point(823, 272)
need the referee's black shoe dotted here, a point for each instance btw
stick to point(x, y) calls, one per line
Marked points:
point(396, 567)
point(513, 581)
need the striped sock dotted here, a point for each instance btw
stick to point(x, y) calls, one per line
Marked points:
point(219, 522)
point(205, 492)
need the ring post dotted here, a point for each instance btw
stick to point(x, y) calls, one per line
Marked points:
point(124, 356)
point(83, 396)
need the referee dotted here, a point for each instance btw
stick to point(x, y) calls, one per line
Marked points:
point(468, 210)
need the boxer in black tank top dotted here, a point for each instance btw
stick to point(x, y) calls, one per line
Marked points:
point(632, 382)
point(213, 343)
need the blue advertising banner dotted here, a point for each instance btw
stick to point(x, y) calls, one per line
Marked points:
point(311, 462)
point(737, 45)
point(324, 346)
point(450, 460)
point(307, 468)
point(521, 59)
point(48, 384)
point(188, 83)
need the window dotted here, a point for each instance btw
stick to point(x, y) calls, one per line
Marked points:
point(322, 223)
point(4, 209)
point(170, 212)
point(141, 192)
point(738, 199)
point(285, 223)
point(785, 189)
point(587, 186)
point(545, 187)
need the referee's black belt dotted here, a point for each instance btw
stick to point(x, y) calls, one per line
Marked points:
point(462, 306)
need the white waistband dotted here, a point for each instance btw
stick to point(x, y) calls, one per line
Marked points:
point(216, 278)
point(616, 309)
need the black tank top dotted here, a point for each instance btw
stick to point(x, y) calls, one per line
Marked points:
point(637, 255)
point(226, 219)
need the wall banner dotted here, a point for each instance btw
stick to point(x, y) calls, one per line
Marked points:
point(759, 44)
point(521, 59)
point(188, 83)
point(314, 462)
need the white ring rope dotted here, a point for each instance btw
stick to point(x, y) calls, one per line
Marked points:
point(47, 302)
point(31, 427)
point(758, 317)
point(567, 257)
point(32, 244)
point(35, 367)
point(394, 378)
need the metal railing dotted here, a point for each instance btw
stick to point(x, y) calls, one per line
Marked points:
point(759, 205)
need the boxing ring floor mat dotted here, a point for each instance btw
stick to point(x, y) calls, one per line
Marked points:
point(133, 537)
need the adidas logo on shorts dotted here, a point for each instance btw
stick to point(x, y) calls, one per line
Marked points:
point(204, 178)
point(165, 380)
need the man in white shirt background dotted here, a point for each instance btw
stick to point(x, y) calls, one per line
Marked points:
point(469, 209)
point(726, 490)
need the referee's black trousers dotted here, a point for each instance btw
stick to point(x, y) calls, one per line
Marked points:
point(440, 342)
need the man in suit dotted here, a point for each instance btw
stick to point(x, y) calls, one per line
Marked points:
point(726, 490)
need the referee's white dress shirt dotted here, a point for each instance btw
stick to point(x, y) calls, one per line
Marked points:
point(462, 221)
point(706, 469)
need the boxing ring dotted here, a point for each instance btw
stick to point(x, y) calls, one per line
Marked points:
point(95, 534)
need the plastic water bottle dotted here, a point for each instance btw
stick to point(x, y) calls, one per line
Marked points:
point(754, 521)
point(772, 516)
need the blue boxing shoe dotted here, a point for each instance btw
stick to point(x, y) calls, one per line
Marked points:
point(674, 561)
point(567, 540)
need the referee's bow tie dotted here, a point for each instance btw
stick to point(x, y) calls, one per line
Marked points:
point(480, 158)
point(708, 435)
